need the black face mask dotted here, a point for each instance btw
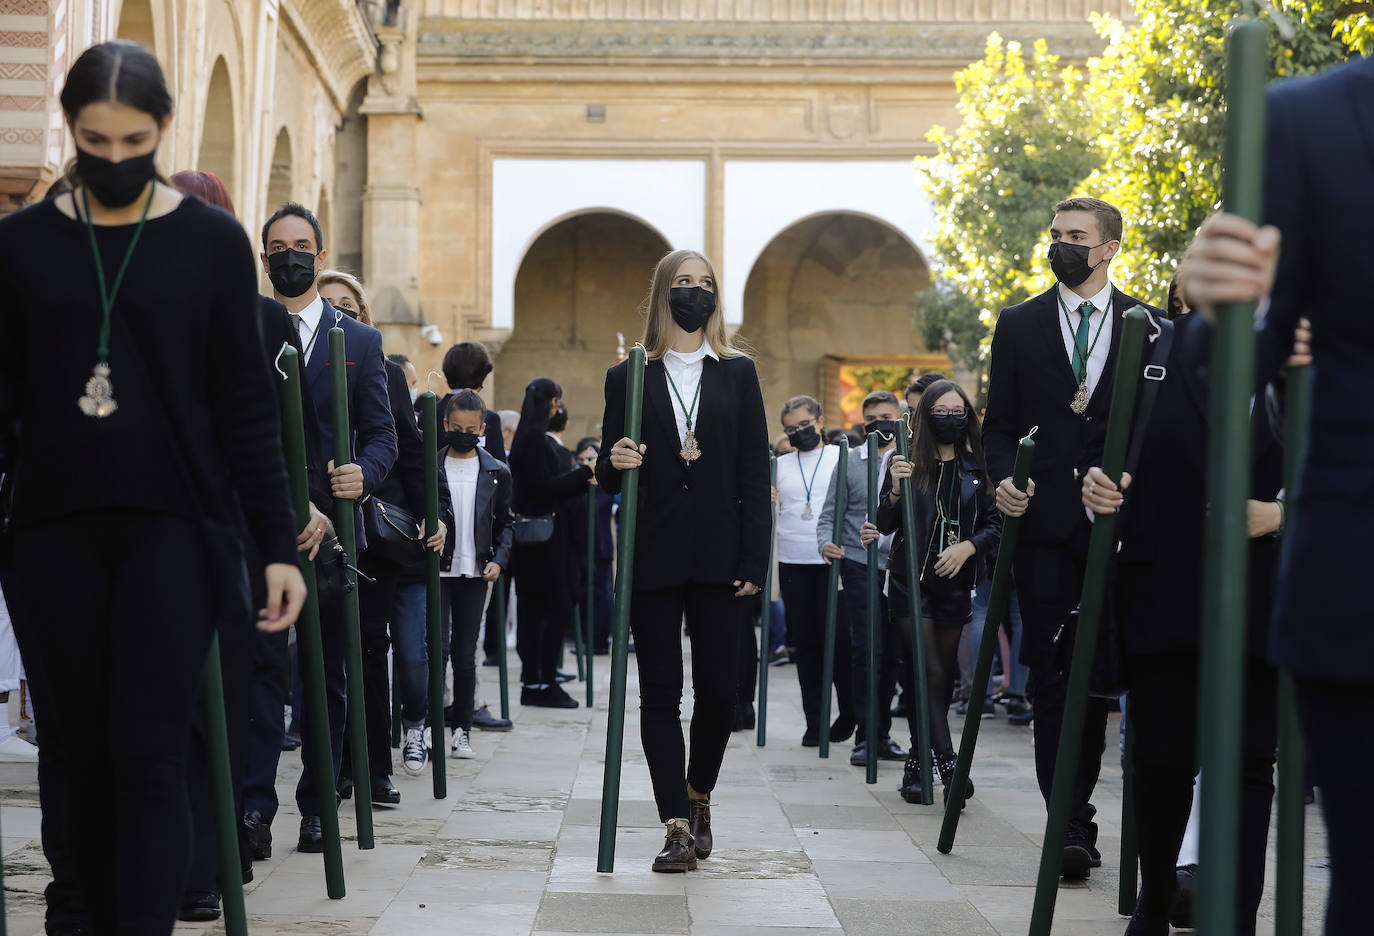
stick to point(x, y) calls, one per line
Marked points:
point(115, 184)
point(804, 440)
point(1070, 262)
point(884, 429)
point(460, 442)
point(692, 307)
point(292, 272)
point(948, 430)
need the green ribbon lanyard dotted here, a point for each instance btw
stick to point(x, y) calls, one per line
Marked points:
point(695, 399)
point(99, 401)
point(1073, 334)
point(808, 485)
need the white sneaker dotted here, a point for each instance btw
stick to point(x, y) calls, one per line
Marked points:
point(15, 750)
point(461, 747)
point(414, 757)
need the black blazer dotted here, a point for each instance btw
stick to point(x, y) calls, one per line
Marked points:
point(542, 485)
point(708, 522)
point(1031, 383)
point(976, 501)
point(492, 518)
point(1160, 565)
point(1320, 194)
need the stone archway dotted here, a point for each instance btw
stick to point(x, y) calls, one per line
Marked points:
point(325, 216)
point(136, 24)
point(577, 292)
point(217, 143)
point(837, 284)
point(279, 178)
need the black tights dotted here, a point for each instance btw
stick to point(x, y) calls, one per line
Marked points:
point(942, 665)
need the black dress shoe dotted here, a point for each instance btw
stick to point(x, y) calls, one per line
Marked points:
point(345, 787)
point(859, 756)
point(384, 793)
point(491, 660)
point(679, 852)
point(842, 729)
point(483, 720)
point(312, 836)
point(700, 827)
point(259, 835)
point(1142, 924)
point(562, 677)
point(288, 744)
point(199, 907)
point(1181, 910)
point(890, 750)
point(811, 738)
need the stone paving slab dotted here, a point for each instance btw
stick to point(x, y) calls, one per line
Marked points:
point(804, 847)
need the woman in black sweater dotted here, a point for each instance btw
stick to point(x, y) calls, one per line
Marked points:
point(541, 576)
point(701, 547)
point(959, 527)
point(133, 364)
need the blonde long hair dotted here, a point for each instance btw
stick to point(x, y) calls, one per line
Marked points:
point(658, 315)
point(352, 284)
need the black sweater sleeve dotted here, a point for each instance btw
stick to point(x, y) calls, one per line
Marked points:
point(612, 429)
point(756, 521)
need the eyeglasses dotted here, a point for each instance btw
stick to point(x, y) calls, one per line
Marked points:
point(793, 430)
point(947, 411)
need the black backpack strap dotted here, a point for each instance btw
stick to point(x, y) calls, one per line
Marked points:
point(1155, 372)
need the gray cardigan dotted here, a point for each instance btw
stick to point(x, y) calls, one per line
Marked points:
point(856, 511)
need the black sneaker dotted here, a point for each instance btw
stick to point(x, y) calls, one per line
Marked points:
point(779, 657)
point(484, 720)
point(199, 907)
point(859, 756)
point(548, 697)
point(1181, 910)
point(1077, 863)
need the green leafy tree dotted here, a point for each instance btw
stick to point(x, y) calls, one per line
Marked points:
point(1028, 137)
point(1159, 94)
point(950, 321)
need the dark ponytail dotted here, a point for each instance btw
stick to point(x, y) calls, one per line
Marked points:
point(119, 71)
point(534, 412)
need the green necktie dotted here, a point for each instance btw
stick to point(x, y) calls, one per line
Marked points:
point(1080, 342)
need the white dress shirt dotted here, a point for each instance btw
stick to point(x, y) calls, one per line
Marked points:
point(686, 371)
point(1068, 327)
point(308, 321)
point(462, 491)
point(796, 472)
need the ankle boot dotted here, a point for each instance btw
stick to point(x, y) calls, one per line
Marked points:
point(679, 852)
point(946, 765)
point(910, 787)
point(700, 825)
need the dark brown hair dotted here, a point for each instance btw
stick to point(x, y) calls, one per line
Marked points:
point(1108, 215)
point(204, 185)
point(925, 456)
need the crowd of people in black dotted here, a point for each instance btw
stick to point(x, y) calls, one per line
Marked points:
point(145, 510)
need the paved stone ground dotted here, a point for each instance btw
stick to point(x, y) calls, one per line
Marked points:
point(803, 846)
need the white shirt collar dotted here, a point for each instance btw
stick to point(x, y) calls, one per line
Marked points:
point(703, 352)
point(311, 314)
point(1100, 301)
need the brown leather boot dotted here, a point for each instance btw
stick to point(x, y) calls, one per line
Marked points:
point(679, 852)
point(700, 810)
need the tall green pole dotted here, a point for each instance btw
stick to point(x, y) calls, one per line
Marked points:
point(222, 781)
point(875, 630)
point(1226, 542)
point(348, 538)
point(1292, 807)
point(434, 618)
point(624, 591)
point(1130, 842)
point(999, 597)
point(1090, 606)
point(918, 644)
point(309, 645)
point(589, 614)
point(579, 642)
point(832, 600)
point(766, 612)
point(502, 654)
point(397, 735)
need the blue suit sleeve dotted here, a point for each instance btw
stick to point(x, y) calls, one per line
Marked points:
point(375, 450)
point(1285, 201)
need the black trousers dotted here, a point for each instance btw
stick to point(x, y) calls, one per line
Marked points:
point(335, 651)
point(265, 729)
point(375, 602)
point(127, 647)
point(541, 621)
point(1049, 582)
point(854, 608)
point(1163, 708)
point(714, 618)
point(463, 599)
point(748, 682)
point(1340, 749)
point(804, 589)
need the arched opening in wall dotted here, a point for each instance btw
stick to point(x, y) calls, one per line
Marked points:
point(217, 136)
point(350, 182)
point(136, 23)
point(830, 310)
point(279, 175)
point(576, 294)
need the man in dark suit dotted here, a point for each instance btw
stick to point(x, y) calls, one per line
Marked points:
point(1053, 360)
point(1319, 199)
point(293, 257)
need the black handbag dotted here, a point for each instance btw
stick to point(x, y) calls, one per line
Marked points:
point(1108, 679)
point(393, 533)
point(529, 531)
